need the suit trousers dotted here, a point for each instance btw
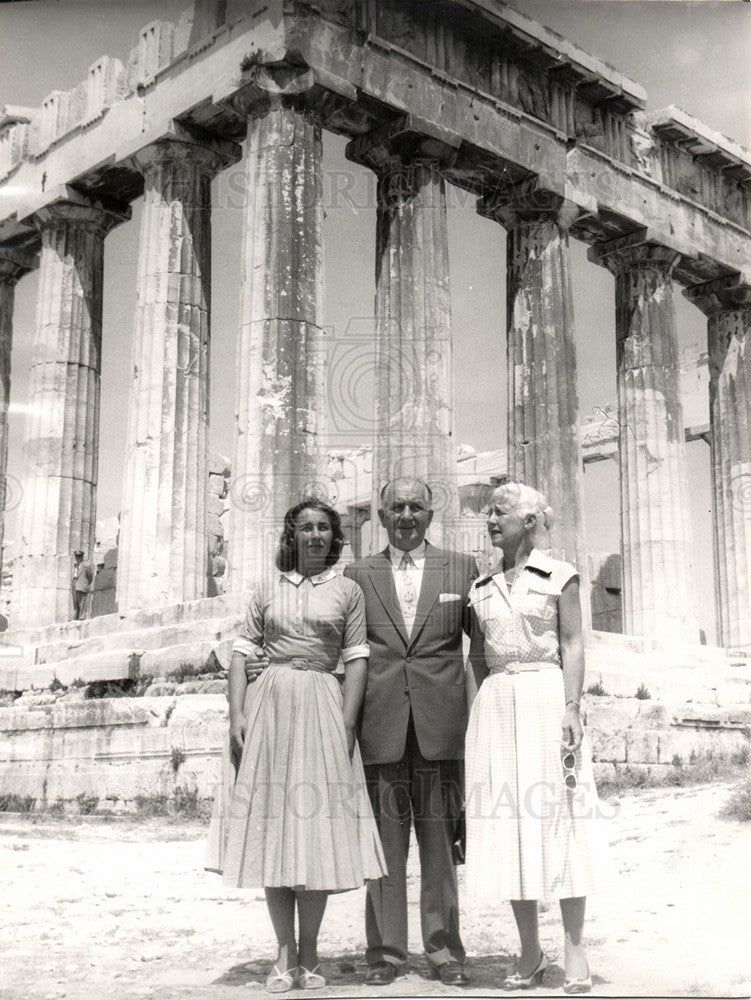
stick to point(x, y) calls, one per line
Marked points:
point(429, 793)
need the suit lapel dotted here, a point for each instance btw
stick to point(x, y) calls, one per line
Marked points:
point(382, 582)
point(433, 577)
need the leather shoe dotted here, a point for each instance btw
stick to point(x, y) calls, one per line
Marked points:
point(380, 974)
point(451, 973)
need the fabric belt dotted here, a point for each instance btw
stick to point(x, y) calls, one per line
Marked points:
point(533, 665)
point(301, 663)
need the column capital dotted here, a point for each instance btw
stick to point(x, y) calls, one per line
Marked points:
point(404, 144)
point(636, 250)
point(76, 210)
point(528, 202)
point(268, 86)
point(728, 293)
point(177, 145)
point(14, 264)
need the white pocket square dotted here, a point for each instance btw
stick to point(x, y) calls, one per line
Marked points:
point(444, 598)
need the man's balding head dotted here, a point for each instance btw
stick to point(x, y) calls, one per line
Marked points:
point(406, 511)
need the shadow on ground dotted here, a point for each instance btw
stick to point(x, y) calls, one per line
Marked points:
point(345, 975)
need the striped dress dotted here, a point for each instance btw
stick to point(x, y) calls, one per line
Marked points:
point(528, 835)
point(296, 813)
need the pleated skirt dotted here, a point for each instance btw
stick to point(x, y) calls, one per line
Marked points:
point(528, 835)
point(296, 813)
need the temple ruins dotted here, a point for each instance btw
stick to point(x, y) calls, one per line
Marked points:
point(554, 144)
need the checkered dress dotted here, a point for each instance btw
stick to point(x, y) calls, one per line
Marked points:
point(528, 836)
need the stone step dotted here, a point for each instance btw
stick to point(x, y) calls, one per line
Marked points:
point(670, 671)
point(122, 664)
point(222, 606)
point(686, 684)
point(139, 640)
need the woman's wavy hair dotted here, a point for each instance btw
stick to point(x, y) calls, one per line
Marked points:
point(286, 556)
point(527, 500)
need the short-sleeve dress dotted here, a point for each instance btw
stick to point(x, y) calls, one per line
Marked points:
point(528, 835)
point(297, 813)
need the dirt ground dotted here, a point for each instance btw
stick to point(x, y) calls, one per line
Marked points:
point(122, 909)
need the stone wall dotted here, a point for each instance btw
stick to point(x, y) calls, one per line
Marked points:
point(646, 739)
point(62, 748)
point(111, 750)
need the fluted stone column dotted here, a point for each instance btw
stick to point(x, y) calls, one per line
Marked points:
point(280, 371)
point(414, 411)
point(61, 449)
point(658, 591)
point(727, 304)
point(543, 394)
point(162, 554)
point(13, 265)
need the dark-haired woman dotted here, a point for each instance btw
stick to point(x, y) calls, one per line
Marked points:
point(299, 821)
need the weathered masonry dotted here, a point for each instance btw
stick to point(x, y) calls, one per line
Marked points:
point(554, 143)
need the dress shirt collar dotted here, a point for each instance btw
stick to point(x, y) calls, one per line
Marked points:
point(418, 555)
point(297, 578)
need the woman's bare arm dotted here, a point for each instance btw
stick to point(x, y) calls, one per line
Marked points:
point(572, 659)
point(355, 682)
point(236, 688)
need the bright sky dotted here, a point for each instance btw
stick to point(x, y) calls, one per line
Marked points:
point(693, 54)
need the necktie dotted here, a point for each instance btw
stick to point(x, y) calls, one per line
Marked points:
point(409, 584)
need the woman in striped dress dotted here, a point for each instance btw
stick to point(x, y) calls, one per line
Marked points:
point(531, 804)
point(293, 813)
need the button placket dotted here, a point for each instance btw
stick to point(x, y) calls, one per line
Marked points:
point(298, 623)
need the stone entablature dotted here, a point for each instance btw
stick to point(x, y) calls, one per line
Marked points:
point(515, 101)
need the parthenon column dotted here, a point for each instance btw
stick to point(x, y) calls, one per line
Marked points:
point(162, 553)
point(414, 410)
point(727, 304)
point(61, 449)
point(544, 449)
point(655, 521)
point(13, 265)
point(280, 376)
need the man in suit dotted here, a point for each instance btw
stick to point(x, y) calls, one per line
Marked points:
point(412, 729)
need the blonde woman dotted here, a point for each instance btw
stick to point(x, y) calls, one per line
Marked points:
point(531, 803)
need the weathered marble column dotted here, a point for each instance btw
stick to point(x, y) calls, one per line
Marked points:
point(13, 265)
point(543, 394)
point(280, 372)
point(61, 449)
point(414, 413)
point(162, 554)
point(658, 587)
point(727, 304)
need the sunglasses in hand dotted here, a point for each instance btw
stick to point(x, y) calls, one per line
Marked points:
point(568, 765)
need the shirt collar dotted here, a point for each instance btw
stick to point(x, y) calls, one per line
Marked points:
point(540, 561)
point(537, 560)
point(297, 578)
point(418, 554)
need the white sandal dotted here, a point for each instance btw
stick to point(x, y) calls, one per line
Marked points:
point(310, 980)
point(280, 982)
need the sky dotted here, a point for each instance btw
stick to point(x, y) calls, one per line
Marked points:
point(692, 54)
